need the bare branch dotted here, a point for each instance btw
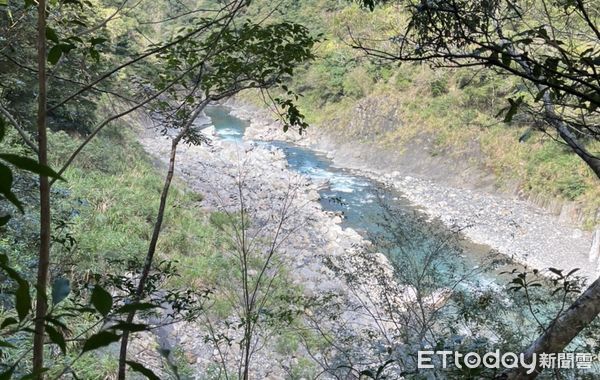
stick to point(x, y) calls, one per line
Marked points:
point(19, 129)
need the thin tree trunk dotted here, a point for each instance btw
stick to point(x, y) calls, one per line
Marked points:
point(562, 331)
point(44, 252)
point(248, 308)
point(149, 256)
point(155, 234)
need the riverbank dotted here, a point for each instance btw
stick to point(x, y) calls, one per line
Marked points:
point(327, 262)
point(525, 233)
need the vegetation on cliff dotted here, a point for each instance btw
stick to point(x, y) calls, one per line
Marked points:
point(452, 112)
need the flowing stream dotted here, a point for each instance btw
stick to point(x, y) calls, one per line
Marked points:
point(358, 199)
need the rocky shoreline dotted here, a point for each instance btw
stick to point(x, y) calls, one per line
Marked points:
point(320, 256)
point(525, 233)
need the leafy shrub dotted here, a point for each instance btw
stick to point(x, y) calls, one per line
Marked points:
point(439, 86)
point(403, 81)
point(572, 187)
point(357, 83)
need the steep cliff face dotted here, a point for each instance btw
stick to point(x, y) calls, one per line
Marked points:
point(374, 134)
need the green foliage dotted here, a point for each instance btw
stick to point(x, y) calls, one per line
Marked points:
point(104, 214)
point(553, 164)
point(105, 211)
point(439, 86)
point(221, 220)
point(101, 299)
point(572, 187)
point(95, 367)
point(425, 261)
point(71, 311)
point(111, 191)
point(143, 370)
point(20, 162)
point(274, 49)
point(402, 81)
point(357, 83)
point(74, 51)
point(112, 199)
point(303, 369)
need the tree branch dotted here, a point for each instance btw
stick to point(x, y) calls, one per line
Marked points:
point(104, 22)
point(19, 129)
point(138, 59)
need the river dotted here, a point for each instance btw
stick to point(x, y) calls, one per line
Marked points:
point(362, 201)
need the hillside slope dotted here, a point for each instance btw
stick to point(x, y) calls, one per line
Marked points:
point(440, 124)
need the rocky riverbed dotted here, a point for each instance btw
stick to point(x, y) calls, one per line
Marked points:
point(515, 228)
point(327, 262)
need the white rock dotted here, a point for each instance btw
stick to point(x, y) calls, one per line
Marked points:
point(595, 247)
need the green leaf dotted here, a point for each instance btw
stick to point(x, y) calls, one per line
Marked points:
point(57, 338)
point(60, 290)
point(4, 219)
point(101, 339)
point(4, 343)
point(30, 165)
point(23, 300)
point(3, 2)
point(98, 40)
point(13, 274)
point(79, 23)
point(8, 321)
point(133, 327)
point(102, 300)
point(556, 271)
point(56, 322)
point(540, 94)
point(66, 48)
point(6, 180)
point(54, 54)
point(95, 54)
point(8, 373)
point(51, 35)
point(137, 367)
point(512, 110)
